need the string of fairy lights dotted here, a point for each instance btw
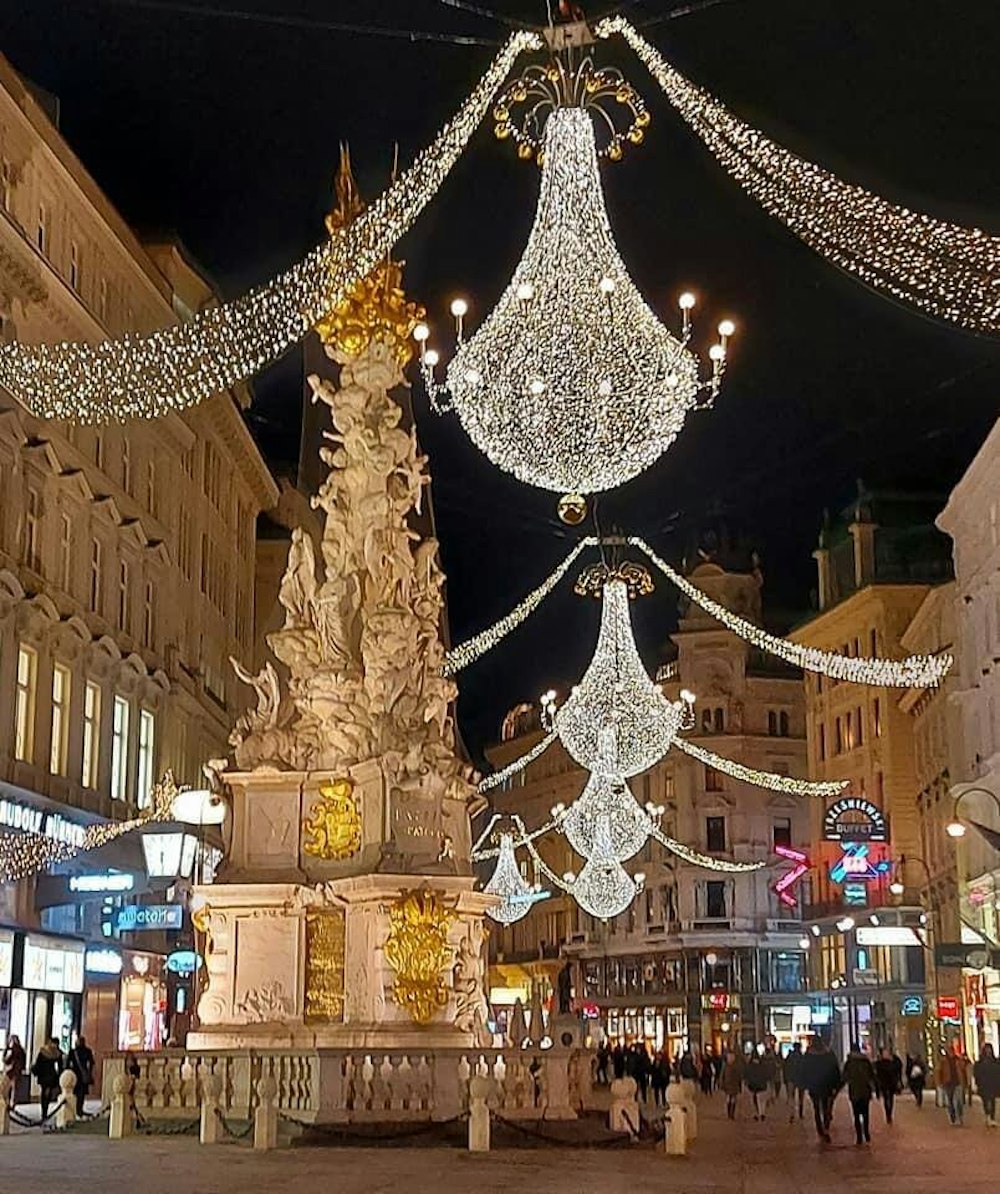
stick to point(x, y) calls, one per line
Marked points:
point(944, 270)
point(144, 376)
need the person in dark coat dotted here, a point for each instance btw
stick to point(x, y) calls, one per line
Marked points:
point(14, 1062)
point(707, 1072)
point(861, 1082)
point(603, 1058)
point(821, 1078)
point(986, 1072)
point(47, 1068)
point(618, 1061)
point(888, 1072)
point(916, 1078)
point(81, 1062)
point(639, 1068)
point(659, 1077)
point(731, 1081)
point(757, 1078)
point(792, 1073)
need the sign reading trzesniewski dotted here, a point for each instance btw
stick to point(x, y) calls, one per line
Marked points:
point(854, 819)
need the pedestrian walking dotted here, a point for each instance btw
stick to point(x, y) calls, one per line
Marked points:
point(47, 1068)
point(888, 1074)
point(861, 1081)
point(771, 1061)
point(916, 1078)
point(953, 1079)
point(731, 1081)
point(81, 1062)
point(707, 1072)
point(987, 1075)
point(14, 1062)
point(659, 1077)
point(639, 1068)
point(792, 1073)
point(755, 1076)
point(821, 1078)
point(603, 1058)
point(618, 1060)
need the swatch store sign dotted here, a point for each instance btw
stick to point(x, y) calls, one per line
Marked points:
point(149, 917)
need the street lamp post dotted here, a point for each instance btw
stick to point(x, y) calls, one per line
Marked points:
point(957, 828)
point(898, 888)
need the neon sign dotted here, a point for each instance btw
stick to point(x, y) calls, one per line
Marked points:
point(855, 819)
point(855, 865)
point(787, 879)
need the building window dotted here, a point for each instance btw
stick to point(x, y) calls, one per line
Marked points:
point(204, 563)
point(148, 625)
point(102, 300)
point(715, 899)
point(32, 546)
point(91, 734)
point(877, 717)
point(838, 740)
point(24, 704)
point(6, 183)
point(783, 725)
point(719, 719)
point(96, 575)
point(124, 613)
point(715, 835)
point(99, 451)
point(782, 832)
point(119, 749)
point(66, 553)
point(713, 779)
point(184, 542)
point(126, 465)
point(74, 265)
point(860, 739)
point(151, 502)
point(42, 229)
point(822, 742)
point(873, 642)
point(144, 786)
point(60, 719)
point(772, 723)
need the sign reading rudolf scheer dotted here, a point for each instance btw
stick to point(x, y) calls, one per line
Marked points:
point(855, 819)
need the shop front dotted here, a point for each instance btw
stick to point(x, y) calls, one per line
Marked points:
point(125, 1007)
point(658, 1026)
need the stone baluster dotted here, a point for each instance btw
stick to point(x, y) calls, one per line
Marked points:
point(66, 1114)
point(238, 1091)
point(5, 1087)
point(120, 1122)
point(265, 1118)
point(448, 1089)
point(211, 1093)
point(624, 1113)
point(188, 1097)
point(480, 1089)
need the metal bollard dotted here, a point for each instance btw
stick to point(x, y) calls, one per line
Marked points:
point(5, 1087)
point(675, 1134)
point(265, 1118)
point(480, 1089)
point(120, 1122)
point(211, 1089)
point(66, 1114)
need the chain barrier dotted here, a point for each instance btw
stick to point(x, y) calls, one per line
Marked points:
point(25, 1121)
point(231, 1132)
point(524, 1128)
point(351, 1133)
point(152, 1127)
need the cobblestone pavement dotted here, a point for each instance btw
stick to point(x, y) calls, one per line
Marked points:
point(920, 1153)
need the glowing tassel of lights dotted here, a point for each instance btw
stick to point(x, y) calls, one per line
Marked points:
point(144, 376)
point(605, 800)
point(696, 858)
point(572, 383)
point(945, 270)
point(24, 854)
point(603, 887)
point(616, 720)
point(761, 779)
point(516, 895)
point(916, 671)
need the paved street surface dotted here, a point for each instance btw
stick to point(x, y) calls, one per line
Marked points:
point(920, 1153)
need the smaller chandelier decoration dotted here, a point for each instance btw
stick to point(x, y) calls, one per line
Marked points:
point(572, 383)
point(516, 894)
point(605, 92)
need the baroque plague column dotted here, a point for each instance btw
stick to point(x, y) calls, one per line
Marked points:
point(347, 915)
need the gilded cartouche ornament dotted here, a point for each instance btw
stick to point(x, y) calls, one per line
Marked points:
point(376, 308)
point(333, 827)
point(417, 949)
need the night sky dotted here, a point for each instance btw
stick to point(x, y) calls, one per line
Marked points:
point(224, 130)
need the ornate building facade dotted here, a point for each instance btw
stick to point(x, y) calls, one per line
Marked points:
point(877, 564)
point(127, 553)
point(700, 956)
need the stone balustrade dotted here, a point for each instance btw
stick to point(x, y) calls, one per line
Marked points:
point(358, 1085)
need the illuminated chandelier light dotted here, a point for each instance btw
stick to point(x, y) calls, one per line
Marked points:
point(944, 270)
point(572, 384)
point(916, 671)
point(177, 367)
point(603, 888)
point(616, 720)
point(24, 854)
point(516, 895)
point(606, 800)
point(761, 779)
point(465, 653)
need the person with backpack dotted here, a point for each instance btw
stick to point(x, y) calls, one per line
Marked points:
point(47, 1068)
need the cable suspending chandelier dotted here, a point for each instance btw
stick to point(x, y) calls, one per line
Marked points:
point(572, 383)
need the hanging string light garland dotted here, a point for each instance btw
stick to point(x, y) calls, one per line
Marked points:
point(24, 854)
point(916, 671)
point(696, 858)
point(147, 376)
point(761, 779)
point(519, 764)
point(944, 270)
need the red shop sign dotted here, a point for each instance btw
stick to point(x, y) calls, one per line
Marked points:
point(948, 1008)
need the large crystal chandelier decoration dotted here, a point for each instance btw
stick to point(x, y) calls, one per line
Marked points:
point(572, 383)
